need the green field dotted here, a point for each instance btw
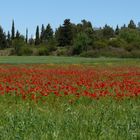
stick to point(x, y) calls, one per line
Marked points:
point(65, 60)
point(105, 119)
point(59, 119)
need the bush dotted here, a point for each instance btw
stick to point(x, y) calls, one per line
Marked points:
point(17, 45)
point(135, 54)
point(42, 51)
point(102, 44)
point(108, 52)
point(133, 46)
point(92, 53)
point(52, 45)
point(22, 51)
point(81, 43)
point(26, 51)
point(117, 43)
point(61, 51)
point(130, 35)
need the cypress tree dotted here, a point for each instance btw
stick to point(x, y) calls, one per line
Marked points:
point(42, 33)
point(26, 35)
point(13, 30)
point(117, 30)
point(37, 39)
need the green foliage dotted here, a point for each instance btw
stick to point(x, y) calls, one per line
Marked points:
point(108, 32)
point(130, 35)
point(117, 43)
point(42, 33)
point(27, 50)
point(48, 34)
point(132, 25)
point(52, 45)
point(133, 46)
point(117, 30)
point(61, 51)
point(37, 39)
point(110, 52)
point(17, 35)
point(42, 51)
point(3, 41)
point(17, 45)
point(13, 30)
point(20, 47)
point(78, 39)
point(81, 43)
point(100, 44)
point(26, 39)
point(65, 34)
point(91, 54)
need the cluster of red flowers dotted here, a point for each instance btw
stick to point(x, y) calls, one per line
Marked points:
point(38, 81)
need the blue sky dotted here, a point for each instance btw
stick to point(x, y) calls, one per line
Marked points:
point(29, 13)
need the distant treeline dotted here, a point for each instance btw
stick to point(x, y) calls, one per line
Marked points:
point(70, 39)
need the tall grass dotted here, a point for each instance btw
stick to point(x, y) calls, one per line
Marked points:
point(61, 118)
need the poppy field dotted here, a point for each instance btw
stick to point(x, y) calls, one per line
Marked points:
point(78, 102)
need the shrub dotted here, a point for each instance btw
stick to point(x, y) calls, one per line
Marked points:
point(17, 45)
point(92, 53)
point(100, 44)
point(107, 52)
point(135, 54)
point(130, 35)
point(51, 45)
point(117, 43)
point(62, 51)
point(81, 43)
point(26, 51)
point(133, 46)
point(42, 51)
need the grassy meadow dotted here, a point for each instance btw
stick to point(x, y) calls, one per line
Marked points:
point(66, 60)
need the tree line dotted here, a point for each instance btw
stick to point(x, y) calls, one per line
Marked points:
point(70, 39)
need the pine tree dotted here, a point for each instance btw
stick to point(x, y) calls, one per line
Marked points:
point(48, 33)
point(65, 34)
point(13, 30)
point(132, 25)
point(37, 39)
point(108, 32)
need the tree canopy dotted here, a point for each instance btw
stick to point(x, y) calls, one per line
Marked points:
point(75, 39)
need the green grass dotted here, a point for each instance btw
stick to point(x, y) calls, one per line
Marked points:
point(57, 119)
point(64, 60)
